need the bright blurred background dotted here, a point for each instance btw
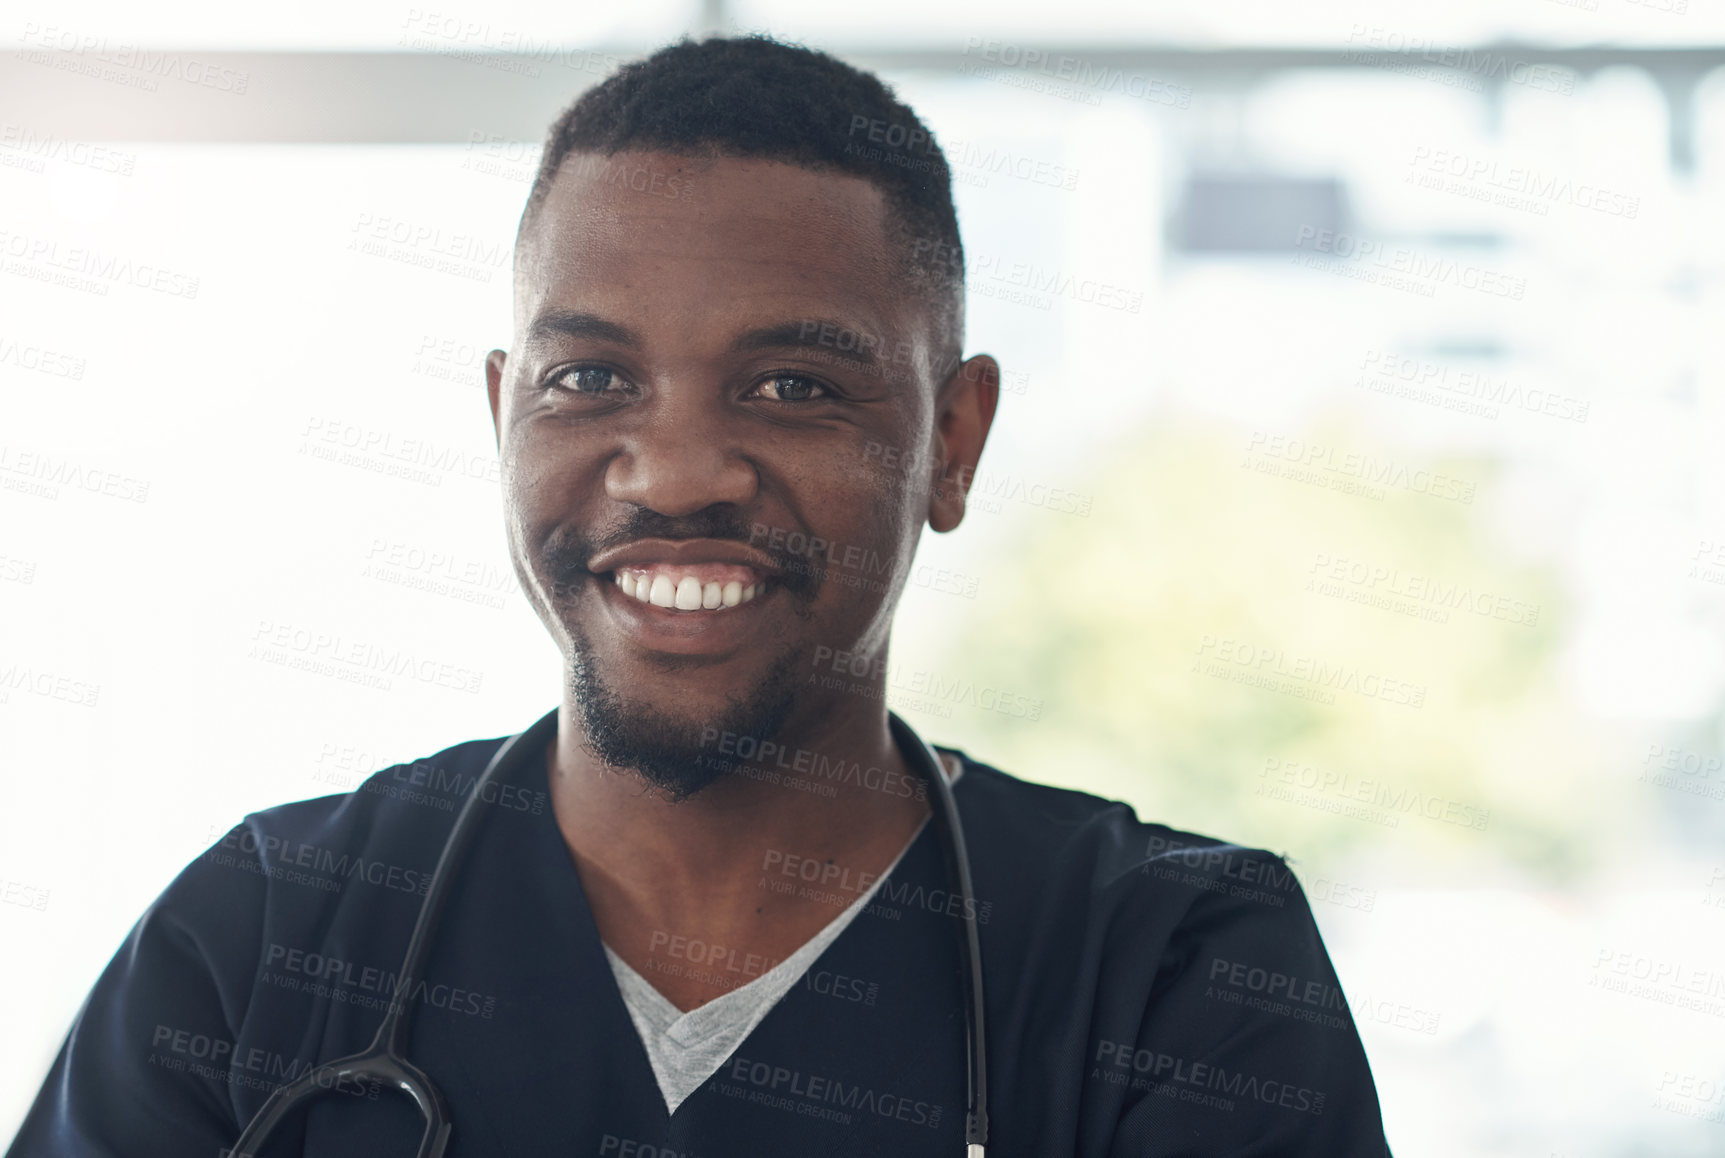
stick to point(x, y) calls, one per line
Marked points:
point(1373, 514)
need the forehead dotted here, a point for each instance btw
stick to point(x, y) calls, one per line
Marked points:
point(666, 235)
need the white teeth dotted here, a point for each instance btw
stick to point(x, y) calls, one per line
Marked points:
point(686, 593)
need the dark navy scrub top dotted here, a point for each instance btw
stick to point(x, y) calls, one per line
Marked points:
point(1149, 992)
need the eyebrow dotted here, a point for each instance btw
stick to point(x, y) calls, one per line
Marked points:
point(810, 333)
point(578, 325)
point(813, 333)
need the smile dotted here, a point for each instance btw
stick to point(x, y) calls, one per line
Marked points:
point(690, 587)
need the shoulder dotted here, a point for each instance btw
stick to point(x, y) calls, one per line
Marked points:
point(295, 865)
point(1069, 867)
point(1052, 826)
point(402, 804)
point(200, 977)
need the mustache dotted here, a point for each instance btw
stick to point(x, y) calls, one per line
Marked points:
point(568, 549)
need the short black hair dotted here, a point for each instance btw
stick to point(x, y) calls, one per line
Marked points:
point(757, 97)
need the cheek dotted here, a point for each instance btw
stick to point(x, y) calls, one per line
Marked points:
point(882, 487)
point(847, 489)
point(887, 494)
point(542, 469)
point(868, 539)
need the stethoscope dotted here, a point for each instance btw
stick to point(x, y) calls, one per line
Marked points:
point(385, 1062)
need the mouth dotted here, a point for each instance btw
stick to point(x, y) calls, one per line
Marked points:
point(692, 609)
point(691, 588)
point(697, 578)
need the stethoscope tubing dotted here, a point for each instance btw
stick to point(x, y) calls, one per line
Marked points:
point(958, 864)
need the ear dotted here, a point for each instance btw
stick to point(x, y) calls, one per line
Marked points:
point(494, 364)
point(963, 413)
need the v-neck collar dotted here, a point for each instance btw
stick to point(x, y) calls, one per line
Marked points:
point(541, 889)
point(784, 974)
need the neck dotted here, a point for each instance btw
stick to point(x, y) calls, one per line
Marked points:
point(834, 802)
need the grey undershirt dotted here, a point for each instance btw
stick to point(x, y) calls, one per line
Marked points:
point(686, 1049)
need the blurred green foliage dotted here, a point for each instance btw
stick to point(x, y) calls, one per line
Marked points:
point(1130, 626)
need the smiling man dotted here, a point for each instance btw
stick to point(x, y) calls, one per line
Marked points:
point(711, 905)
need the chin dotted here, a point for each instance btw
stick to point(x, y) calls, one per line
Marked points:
point(677, 752)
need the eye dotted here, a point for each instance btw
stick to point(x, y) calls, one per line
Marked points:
point(792, 388)
point(587, 379)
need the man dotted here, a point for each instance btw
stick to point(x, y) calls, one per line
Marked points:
point(709, 913)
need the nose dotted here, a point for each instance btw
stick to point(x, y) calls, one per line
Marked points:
point(681, 459)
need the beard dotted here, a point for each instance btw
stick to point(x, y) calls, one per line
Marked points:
point(672, 753)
